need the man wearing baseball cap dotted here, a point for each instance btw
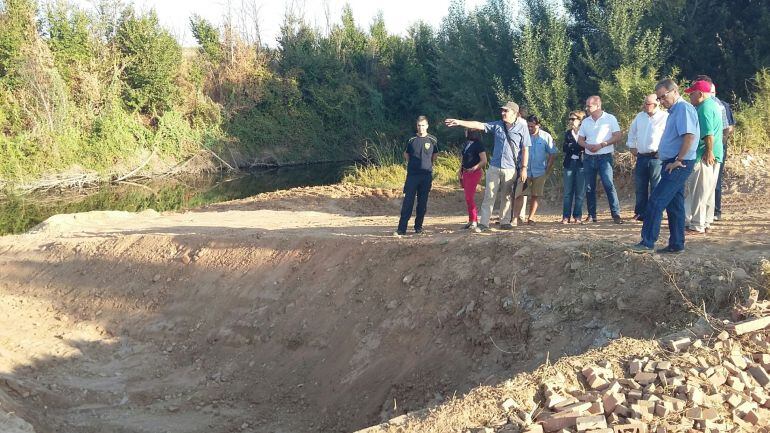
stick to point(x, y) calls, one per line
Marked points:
point(701, 185)
point(676, 151)
point(508, 164)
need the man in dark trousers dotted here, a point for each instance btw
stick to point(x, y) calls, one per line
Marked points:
point(420, 153)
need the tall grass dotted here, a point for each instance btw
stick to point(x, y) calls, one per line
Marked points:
point(752, 131)
point(385, 167)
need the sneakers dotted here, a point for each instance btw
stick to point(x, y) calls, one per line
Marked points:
point(506, 227)
point(470, 225)
point(418, 231)
point(399, 233)
point(668, 250)
point(640, 248)
point(617, 219)
point(482, 228)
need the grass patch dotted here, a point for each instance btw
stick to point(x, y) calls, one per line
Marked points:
point(392, 173)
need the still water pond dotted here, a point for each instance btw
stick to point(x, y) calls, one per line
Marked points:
point(18, 214)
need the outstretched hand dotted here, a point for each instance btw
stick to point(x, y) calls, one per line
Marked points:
point(451, 122)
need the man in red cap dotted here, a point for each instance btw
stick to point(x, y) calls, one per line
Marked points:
point(701, 185)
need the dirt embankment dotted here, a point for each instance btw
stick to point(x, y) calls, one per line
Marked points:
point(299, 312)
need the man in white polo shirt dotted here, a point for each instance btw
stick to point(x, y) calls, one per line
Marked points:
point(598, 134)
point(643, 141)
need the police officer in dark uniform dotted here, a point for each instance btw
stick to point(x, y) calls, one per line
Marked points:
point(420, 153)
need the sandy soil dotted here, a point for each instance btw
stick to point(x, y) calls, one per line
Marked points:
point(299, 311)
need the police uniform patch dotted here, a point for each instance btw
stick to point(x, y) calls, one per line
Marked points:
point(427, 145)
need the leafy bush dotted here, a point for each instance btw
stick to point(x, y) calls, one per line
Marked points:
point(153, 59)
point(752, 130)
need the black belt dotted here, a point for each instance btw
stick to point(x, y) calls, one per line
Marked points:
point(651, 154)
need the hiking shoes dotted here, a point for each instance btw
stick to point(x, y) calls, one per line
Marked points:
point(640, 248)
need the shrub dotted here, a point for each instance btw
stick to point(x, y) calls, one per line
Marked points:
point(752, 118)
point(153, 59)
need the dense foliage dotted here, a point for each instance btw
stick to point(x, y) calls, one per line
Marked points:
point(108, 90)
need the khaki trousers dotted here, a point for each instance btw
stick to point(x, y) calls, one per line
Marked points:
point(699, 196)
point(498, 184)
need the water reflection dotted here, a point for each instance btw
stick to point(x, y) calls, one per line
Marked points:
point(18, 214)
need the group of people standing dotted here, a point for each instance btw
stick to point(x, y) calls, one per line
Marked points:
point(678, 164)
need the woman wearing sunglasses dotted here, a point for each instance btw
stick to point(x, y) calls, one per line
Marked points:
point(574, 181)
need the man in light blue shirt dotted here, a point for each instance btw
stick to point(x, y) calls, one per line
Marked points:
point(541, 157)
point(677, 154)
point(508, 165)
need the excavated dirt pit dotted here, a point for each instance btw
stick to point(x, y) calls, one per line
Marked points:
point(310, 316)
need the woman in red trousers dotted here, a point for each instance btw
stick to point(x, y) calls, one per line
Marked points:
point(471, 170)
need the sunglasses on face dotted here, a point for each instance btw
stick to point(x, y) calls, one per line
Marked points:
point(663, 96)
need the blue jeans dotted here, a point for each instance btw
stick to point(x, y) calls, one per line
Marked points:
point(601, 164)
point(416, 185)
point(646, 178)
point(574, 190)
point(668, 196)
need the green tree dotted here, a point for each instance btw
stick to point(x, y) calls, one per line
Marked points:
point(17, 21)
point(475, 57)
point(621, 52)
point(69, 37)
point(544, 56)
point(725, 40)
point(152, 62)
point(207, 37)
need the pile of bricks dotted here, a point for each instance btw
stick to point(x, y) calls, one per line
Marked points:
point(722, 385)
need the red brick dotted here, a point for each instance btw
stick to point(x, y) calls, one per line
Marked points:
point(591, 422)
point(663, 409)
point(612, 400)
point(751, 325)
point(694, 413)
point(555, 399)
point(597, 408)
point(738, 361)
point(644, 378)
point(752, 417)
point(676, 403)
point(717, 379)
point(759, 374)
point(559, 421)
point(578, 407)
point(622, 410)
point(680, 345)
point(566, 402)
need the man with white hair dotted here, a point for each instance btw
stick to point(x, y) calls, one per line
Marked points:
point(643, 141)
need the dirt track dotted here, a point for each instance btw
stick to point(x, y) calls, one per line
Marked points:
point(299, 311)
